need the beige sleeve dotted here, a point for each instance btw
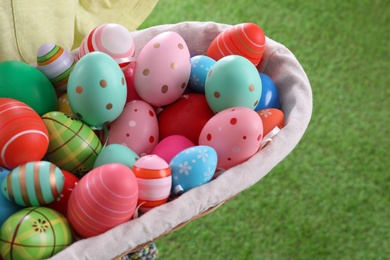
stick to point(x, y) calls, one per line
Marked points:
point(26, 25)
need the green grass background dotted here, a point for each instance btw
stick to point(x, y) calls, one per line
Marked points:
point(330, 198)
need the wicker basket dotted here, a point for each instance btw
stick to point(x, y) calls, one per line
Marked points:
point(296, 102)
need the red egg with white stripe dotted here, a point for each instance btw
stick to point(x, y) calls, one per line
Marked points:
point(245, 39)
point(23, 134)
point(112, 39)
point(154, 181)
point(104, 198)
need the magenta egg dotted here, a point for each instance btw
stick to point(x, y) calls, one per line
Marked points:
point(171, 145)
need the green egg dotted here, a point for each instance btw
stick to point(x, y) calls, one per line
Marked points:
point(26, 83)
point(116, 153)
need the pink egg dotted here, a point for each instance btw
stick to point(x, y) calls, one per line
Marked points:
point(154, 181)
point(104, 198)
point(235, 133)
point(163, 69)
point(136, 128)
point(171, 145)
point(112, 39)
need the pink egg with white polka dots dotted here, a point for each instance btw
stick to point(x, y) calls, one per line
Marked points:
point(136, 128)
point(163, 69)
point(235, 134)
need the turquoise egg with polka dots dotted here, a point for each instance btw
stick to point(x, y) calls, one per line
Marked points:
point(192, 167)
point(233, 81)
point(97, 89)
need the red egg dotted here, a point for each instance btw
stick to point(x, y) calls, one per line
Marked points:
point(61, 203)
point(104, 198)
point(23, 134)
point(154, 181)
point(131, 92)
point(185, 117)
point(245, 39)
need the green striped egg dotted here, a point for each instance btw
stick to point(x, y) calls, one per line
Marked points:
point(73, 145)
point(34, 233)
point(33, 184)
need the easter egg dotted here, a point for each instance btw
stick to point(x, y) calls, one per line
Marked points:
point(192, 167)
point(112, 39)
point(154, 181)
point(73, 146)
point(33, 184)
point(136, 128)
point(7, 207)
point(269, 94)
point(97, 89)
point(171, 145)
point(163, 69)
point(34, 233)
point(63, 104)
point(116, 153)
point(272, 118)
point(104, 198)
point(27, 84)
point(233, 81)
point(235, 133)
point(23, 135)
point(131, 92)
point(200, 67)
point(185, 117)
point(56, 63)
point(60, 204)
point(245, 39)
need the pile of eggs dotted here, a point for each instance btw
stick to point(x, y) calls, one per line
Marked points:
point(87, 142)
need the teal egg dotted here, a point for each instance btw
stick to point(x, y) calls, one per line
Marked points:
point(97, 89)
point(33, 184)
point(116, 153)
point(233, 81)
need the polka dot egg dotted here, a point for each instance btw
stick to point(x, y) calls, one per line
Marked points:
point(163, 69)
point(235, 133)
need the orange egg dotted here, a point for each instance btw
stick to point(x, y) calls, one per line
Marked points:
point(272, 118)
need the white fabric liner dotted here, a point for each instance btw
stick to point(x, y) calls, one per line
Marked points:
point(296, 102)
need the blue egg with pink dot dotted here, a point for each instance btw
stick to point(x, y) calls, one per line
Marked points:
point(269, 96)
point(200, 67)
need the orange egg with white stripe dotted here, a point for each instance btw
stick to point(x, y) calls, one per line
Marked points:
point(154, 181)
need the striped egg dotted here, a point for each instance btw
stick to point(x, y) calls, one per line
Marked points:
point(73, 145)
point(245, 39)
point(23, 135)
point(104, 198)
point(33, 184)
point(34, 233)
point(112, 39)
point(56, 63)
point(154, 181)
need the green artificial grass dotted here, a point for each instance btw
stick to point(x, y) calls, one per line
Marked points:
point(330, 198)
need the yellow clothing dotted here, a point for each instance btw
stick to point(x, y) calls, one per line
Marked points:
point(26, 25)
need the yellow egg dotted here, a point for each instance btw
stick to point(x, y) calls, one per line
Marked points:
point(63, 104)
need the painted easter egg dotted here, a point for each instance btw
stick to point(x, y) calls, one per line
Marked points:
point(193, 167)
point(116, 153)
point(112, 39)
point(233, 81)
point(97, 89)
point(136, 128)
point(7, 207)
point(235, 133)
point(186, 116)
point(200, 68)
point(23, 135)
point(34, 233)
point(63, 104)
point(131, 92)
point(171, 145)
point(61, 202)
point(27, 84)
point(269, 94)
point(73, 146)
point(33, 184)
point(154, 181)
point(104, 198)
point(161, 83)
point(245, 39)
point(56, 63)
point(273, 120)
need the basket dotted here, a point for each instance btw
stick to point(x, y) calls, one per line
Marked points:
point(296, 103)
